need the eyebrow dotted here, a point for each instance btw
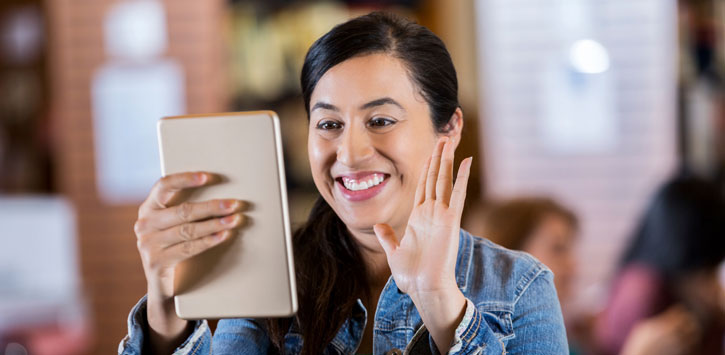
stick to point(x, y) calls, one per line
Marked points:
point(381, 102)
point(369, 105)
point(324, 106)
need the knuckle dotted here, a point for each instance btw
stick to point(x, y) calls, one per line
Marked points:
point(187, 249)
point(208, 242)
point(141, 242)
point(216, 205)
point(186, 231)
point(183, 211)
point(140, 226)
point(153, 263)
point(140, 212)
point(147, 258)
point(162, 183)
point(156, 186)
point(144, 241)
point(164, 180)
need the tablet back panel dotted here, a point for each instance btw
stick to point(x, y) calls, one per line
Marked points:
point(251, 274)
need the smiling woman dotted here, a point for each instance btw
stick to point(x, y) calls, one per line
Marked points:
point(382, 263)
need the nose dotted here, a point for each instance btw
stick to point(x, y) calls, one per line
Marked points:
point(355, 147)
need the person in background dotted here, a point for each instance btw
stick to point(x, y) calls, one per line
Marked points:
point(666, 297)
point(541, 227)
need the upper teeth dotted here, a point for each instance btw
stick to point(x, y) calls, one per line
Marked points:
point(356, 185)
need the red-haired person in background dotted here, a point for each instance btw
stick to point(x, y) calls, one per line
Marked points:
point(539, 226)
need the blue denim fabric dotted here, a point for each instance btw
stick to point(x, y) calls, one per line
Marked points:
point(512, 308)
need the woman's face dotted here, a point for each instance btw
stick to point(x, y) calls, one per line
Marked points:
point(370, 134)
point(552, 242)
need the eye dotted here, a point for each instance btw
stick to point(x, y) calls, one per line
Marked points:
point(328, 125)
point(381, 122)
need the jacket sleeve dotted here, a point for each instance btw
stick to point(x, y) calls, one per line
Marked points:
point(537, 320)
point(232, 336)
point(472, 336)
point(240, 337)
point(538, 326)
point(199, 342)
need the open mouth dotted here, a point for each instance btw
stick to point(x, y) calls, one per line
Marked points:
point(362, 184)
point(361, 187)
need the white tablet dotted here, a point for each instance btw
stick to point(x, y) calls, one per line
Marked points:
point(252, 273)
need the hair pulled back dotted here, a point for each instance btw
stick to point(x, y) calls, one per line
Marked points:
point(331, 273)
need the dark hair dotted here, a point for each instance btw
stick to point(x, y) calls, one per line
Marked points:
point(331, 272)
point(511, 223)
point(683, 229)
point(424, 55)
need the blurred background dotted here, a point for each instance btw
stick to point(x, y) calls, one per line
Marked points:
point(590, 105)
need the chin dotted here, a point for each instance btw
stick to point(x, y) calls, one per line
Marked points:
point(363, 218)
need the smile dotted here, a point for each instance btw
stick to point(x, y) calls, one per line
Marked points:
point(357, 185)
point(361, 186)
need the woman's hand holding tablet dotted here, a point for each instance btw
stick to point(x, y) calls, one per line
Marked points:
point(169, 232)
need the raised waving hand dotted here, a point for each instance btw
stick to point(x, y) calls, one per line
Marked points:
point(423, 260)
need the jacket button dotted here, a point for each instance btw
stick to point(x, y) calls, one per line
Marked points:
point(394, 352)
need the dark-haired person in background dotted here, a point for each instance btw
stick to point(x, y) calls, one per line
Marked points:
point(667, 286)
point(382, 263)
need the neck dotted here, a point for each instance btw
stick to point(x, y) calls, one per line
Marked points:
point(376, 262)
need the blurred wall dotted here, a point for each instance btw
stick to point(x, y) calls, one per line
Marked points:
point(580, 104)
point(110, 264)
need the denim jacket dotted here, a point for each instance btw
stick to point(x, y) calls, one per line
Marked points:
point(512, 308)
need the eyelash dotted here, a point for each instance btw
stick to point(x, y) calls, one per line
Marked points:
point(374, 122)
point(385, 121)
point(322, 125)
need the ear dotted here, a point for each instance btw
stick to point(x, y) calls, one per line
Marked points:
point(454, 127)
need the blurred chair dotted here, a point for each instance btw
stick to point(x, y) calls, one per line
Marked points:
point(42, 308)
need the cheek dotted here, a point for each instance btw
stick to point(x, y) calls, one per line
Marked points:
point(409, 155)
point(321, 155)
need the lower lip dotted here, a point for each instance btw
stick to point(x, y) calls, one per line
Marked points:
point(360, 195)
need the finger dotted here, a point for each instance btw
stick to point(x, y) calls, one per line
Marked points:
point(182, 251)
point(435, 162)
point(420, 189)
point(195, 230)
point(386, 237)
point(458, 196)
point(192, 211)
point(445, 173)
point(169, 186)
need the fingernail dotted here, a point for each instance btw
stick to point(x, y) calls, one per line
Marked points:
point(221, 236)
point(200, 178)
point(233, 219)
point(469, 163)
point(230, 205)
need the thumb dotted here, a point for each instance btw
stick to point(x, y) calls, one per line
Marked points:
point(386, 237)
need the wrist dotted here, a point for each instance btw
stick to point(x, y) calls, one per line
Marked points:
point(436, 294)
point(448, 300)
point(441, 311)
point(161, 313)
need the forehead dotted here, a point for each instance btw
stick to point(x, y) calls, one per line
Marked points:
point(366, 78)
